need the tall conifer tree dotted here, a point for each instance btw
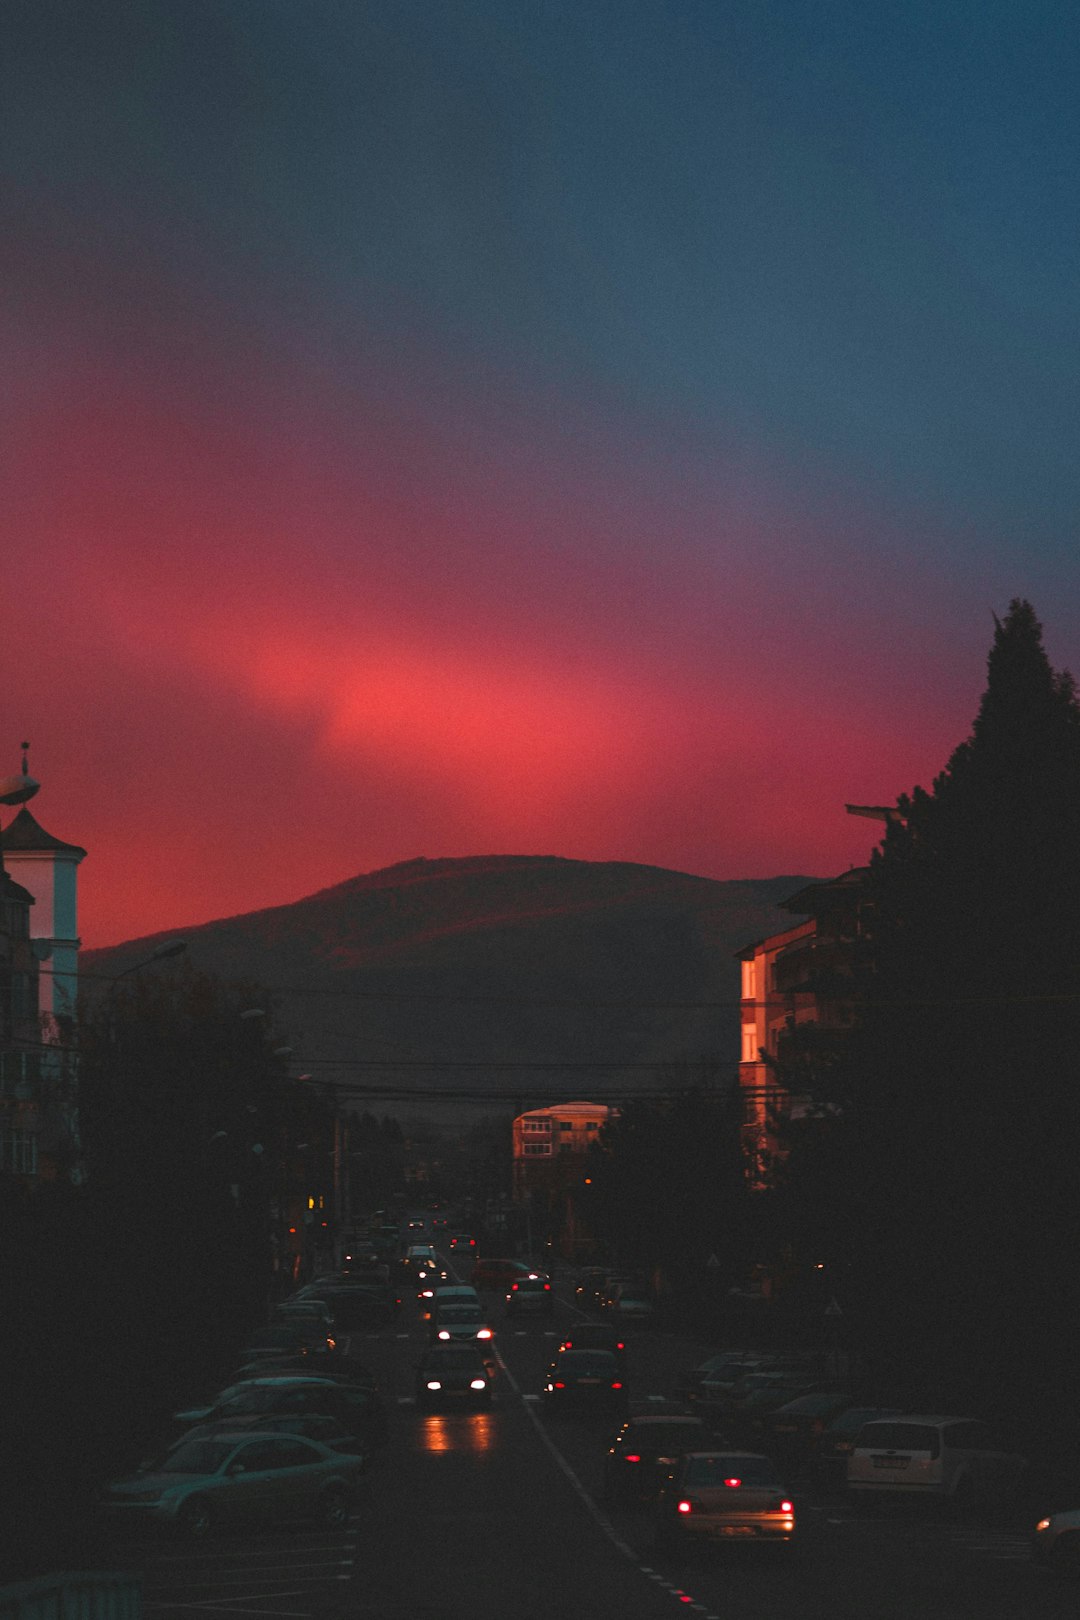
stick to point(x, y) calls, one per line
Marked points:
point(962, 1084)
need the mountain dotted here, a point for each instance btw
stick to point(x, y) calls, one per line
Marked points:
point(518, 979)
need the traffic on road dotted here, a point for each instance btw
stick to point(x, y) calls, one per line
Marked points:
point(450, 1453)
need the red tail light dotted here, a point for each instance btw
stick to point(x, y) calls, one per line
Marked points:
point(734, 1483)
point(547, 1288)
point(616, 1385)
point(787, 1507)
point(631, 1456)
point(558, 1385)
point(685, 1507)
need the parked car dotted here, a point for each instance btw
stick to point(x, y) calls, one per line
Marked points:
point(956, 1458)
point(646, 1450)
point(584, 1380)
point(320, 1426)
point(835, 1445)
point(234, 1479)
point(632, 1302)
point(529, 1296)
point(304, 1310)
point(452, 1374)
point(1056, 1543)
point(792, 1430)
point(724, 1496)
point(748, 1422)
point(360, 1408)
point(717, 1374)
point(300, 1337)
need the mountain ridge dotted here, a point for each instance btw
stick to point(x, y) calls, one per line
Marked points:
point(512, 965)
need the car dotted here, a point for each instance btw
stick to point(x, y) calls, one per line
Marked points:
point(632, 1302)
point(360, 1408)
point(449, 1294)
point(587, 1288)
point(529, 1296)
point(358, 1305)
point(1056, 1543)
point(584, 1380)
point(785, 1381)
point(646, 1450)
point(452, 1373)
point(724, 1496)
point(834, 1446)
point(234, 1479)
point(595, 1336)
point(747, 1422)
point(304, 1310)
point(499, 1274)
point(462, 1240)
point(320, 1426)
point(710, 1377)
point(462, 1322)
point(300, 1337)
point(958, 1459)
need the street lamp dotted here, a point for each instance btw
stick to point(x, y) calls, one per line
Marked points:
point(168, 947)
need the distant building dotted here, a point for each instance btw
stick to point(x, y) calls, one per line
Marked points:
point(800, 989)
point(550, 1143)
point(37, 1063)
point(549, 1153)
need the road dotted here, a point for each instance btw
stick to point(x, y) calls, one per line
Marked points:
point(489, 1515)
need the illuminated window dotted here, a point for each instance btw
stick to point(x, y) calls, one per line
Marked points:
point(749, 980)
point(749, 1043)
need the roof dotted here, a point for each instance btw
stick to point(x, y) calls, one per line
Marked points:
point(24, 833)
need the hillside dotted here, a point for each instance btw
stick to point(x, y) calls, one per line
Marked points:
point(441, 976)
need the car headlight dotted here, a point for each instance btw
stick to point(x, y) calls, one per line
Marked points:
point(434, 1383)
point(444, 1333)
point(478, 1383)
point(1043, 1524)
point(484, 1333)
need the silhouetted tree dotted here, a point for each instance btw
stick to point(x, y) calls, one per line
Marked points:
point(959, 1111)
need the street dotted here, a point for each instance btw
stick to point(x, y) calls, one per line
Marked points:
point(480, 1515)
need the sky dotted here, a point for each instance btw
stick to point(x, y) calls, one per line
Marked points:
point(601, 428)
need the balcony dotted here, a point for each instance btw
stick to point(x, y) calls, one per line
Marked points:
point(823, 968)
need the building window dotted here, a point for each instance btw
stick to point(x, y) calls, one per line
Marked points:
point(593, 1125)
point(566, 1124)
point(749, 980)
point(749, 1043)
point(537, 1126)
point(18, 1152)
point(538, 1150)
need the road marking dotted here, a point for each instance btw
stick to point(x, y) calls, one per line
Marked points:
point(590, 1506)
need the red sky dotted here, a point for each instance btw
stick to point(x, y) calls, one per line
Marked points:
point(409, 451)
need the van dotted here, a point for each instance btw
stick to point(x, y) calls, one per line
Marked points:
point(959, 1459)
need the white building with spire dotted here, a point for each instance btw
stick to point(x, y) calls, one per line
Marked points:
point(49, 868)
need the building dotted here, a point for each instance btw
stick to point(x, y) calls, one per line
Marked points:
point(800, 990)
point(37, 1058)
point(549, 1152)
point(20, 1038)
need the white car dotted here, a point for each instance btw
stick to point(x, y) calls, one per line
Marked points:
point(957, 1458)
